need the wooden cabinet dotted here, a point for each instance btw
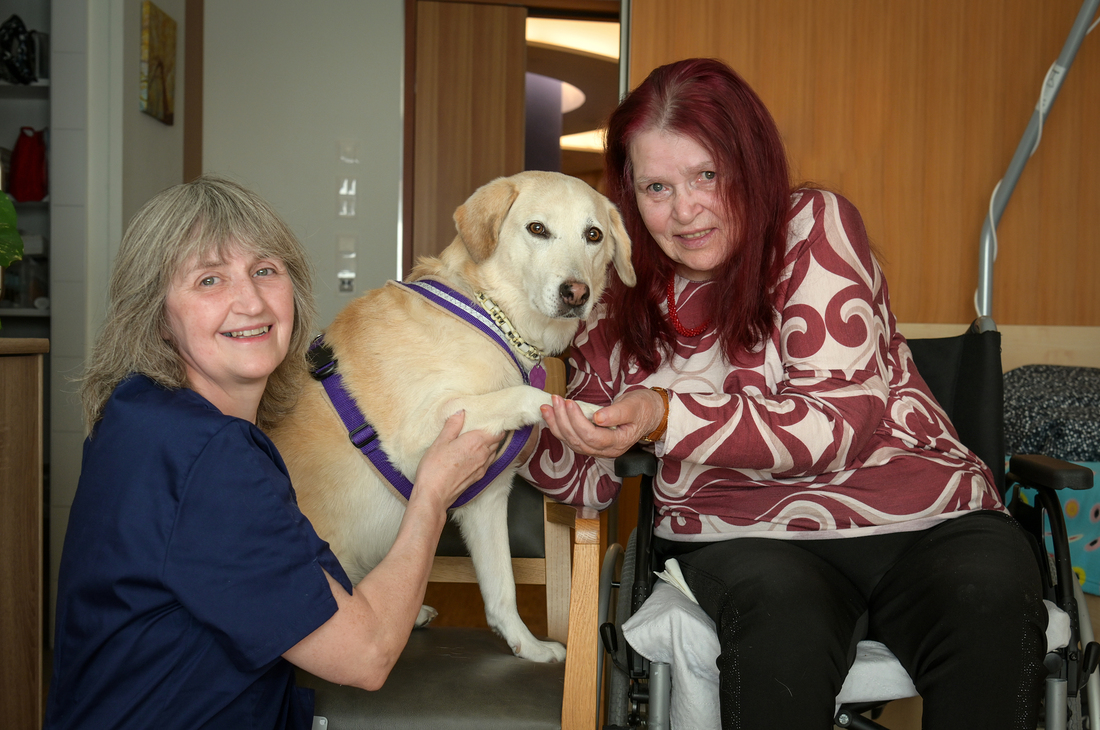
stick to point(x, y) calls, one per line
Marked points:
point(21, 594)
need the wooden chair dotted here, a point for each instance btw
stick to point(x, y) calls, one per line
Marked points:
point(458, 678)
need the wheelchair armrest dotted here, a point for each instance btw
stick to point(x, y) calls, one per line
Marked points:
point(636, 462)
point(1037, 470)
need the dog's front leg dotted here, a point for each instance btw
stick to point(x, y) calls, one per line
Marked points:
point(507, 409)
point(484, 525)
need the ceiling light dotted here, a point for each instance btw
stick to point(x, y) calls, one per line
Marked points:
point(571, 97)
point(590, 141)
point(590, 37)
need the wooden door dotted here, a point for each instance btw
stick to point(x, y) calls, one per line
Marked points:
point(468, 112)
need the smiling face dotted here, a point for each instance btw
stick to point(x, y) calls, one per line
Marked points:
point(677, 188)
point(230, 318)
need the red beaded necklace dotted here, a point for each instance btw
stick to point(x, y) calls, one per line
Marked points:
point(685, 332)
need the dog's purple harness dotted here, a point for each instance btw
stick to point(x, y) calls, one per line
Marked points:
point(363, 435)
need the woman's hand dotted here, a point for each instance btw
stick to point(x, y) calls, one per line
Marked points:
point(454, 462)
point(617, 427)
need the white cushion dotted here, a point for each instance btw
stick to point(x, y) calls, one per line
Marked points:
point(671, 628)
point(875, 675)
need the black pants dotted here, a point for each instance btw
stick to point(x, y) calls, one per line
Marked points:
point(960, 605)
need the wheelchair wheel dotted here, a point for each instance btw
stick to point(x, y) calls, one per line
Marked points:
point(618, 698)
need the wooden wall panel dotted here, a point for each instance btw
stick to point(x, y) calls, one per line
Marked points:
point(913, 109)
point(470, 63)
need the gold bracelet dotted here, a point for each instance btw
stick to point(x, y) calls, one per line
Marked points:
point(658, 432)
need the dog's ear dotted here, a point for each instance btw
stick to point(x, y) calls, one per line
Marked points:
point(479, 219)
point(621, 255)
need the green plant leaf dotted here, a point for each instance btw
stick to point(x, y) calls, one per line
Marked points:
point(11, 243)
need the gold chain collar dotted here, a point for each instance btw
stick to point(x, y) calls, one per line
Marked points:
point(528, 350)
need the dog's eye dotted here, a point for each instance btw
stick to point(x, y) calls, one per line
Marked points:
point(537, 229)
point(594, 235)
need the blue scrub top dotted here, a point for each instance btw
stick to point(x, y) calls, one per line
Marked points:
point(187, 571)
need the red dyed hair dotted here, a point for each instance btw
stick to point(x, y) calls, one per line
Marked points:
point(706, 101)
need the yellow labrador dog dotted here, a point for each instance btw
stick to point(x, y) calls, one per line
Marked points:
point(532, 255)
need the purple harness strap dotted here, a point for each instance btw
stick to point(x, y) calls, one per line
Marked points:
point(363, 435)
point(473, 315)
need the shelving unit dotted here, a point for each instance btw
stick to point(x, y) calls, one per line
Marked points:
point(37, 90)
point(26, 106)
point(23, 312)
point(25, 422)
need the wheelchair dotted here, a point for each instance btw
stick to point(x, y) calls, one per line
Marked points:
point(964, 374)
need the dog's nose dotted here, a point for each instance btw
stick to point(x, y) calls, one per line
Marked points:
point(574, 293)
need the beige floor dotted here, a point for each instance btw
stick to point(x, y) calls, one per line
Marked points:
point(898, 715)
point(905, 714)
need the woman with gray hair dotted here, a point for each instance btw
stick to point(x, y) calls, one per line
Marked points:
point(190, 581)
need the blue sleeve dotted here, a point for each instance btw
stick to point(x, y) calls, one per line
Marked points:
point(242, 558)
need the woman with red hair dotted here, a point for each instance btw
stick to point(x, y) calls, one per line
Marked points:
point(810, 487)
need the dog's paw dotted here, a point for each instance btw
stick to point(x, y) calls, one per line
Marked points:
point(588, 409)
point(427, 613)
point(540, 651)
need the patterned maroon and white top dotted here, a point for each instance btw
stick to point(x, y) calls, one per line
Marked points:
point(825, 430)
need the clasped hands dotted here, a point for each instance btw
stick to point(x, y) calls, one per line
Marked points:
point(614, 428)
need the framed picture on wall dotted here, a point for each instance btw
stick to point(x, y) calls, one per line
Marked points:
point(158, 63)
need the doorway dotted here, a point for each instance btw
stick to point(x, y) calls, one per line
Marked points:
point(466, 102)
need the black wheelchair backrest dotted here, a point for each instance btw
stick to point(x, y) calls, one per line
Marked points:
point(964, 375)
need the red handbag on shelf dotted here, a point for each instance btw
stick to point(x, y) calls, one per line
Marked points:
point(28, 166)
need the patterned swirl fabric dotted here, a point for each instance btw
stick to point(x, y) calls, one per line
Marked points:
point(826, 429)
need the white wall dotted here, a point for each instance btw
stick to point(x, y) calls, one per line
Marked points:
point(285, 84)
point(152, 152)
point(69, 228)
point(106, 159)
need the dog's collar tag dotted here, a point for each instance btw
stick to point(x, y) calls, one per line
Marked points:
point(537, 377)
